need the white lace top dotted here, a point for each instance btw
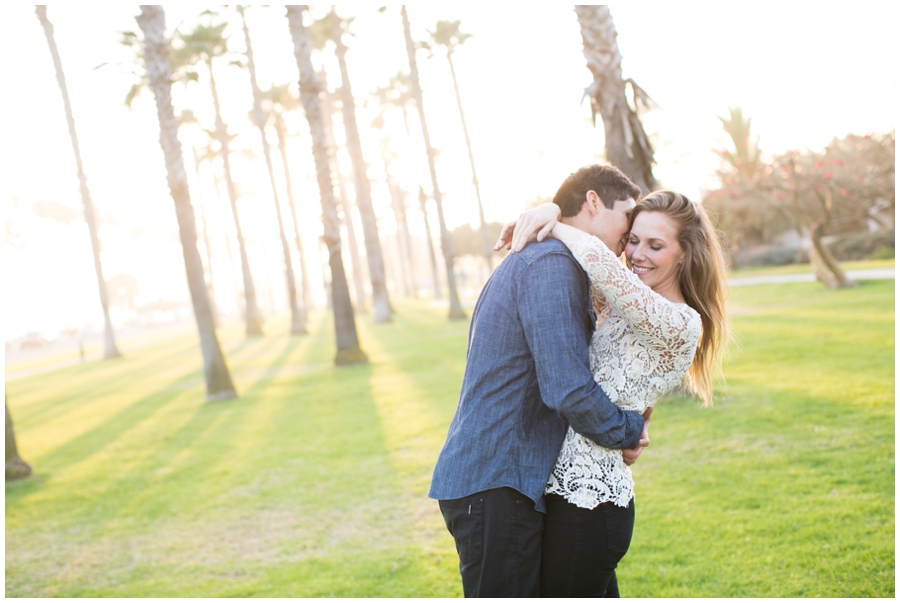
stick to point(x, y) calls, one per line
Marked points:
point(642, 348)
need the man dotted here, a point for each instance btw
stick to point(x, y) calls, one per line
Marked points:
point(527, 378)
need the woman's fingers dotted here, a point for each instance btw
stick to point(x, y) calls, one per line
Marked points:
point(542, 234)
point(506, 236)
point(523, 231)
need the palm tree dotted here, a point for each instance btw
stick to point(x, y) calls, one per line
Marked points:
point(204, 44)
point(298, 318)
point(448, 35)
point(627, 146)
point(456, 311)
point(279, 102)
point(380, 299)
point(398, 204)
point(355, 262)
point(348, 350)
point(423, 207)
point(110, 349)
point(208, 153)
point(186, 118)
point(16, 468)
point(209, 264)
point(319, 36)
point(152, 22)
point(398, 93)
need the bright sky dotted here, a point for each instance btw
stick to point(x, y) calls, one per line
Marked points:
point(803, 72)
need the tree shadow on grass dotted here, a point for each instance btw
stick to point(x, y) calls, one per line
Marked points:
point(91, 384)
point(305, 449)
point(99, 437)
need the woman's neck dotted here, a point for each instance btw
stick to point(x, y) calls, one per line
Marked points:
point(671, 291)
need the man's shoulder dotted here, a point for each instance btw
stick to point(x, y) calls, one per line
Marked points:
point(548, 248)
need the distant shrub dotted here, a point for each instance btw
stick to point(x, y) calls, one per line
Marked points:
point(775, 256)
point(863, 245)
point(884, 253)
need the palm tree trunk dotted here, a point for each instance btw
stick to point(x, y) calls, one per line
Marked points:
point(251, 310)
point(304, 272)
point(355, 262)
point(356, 265)
point(238, 297)
point(348, 350)
point(380, 300)
point(423, 199)
point(262, 267)
point(407, 260)
point(456, 311)
point(627, 146)
point(16, 468)
point(152, 22)
point(486, 245)
point(209, 284)
point(298, 319)
point(109, 340)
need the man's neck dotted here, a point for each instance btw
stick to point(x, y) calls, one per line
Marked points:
point(578, 221)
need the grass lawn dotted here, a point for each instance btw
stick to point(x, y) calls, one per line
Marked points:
point(805, 268)
point(313, 482)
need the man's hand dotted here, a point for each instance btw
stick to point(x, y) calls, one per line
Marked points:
point(631, 455)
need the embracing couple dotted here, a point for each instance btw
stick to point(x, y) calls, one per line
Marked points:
point(568, 350)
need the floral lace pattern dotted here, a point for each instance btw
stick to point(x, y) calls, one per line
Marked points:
point(642, 348)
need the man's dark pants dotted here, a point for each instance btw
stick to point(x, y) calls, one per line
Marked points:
point(498, 538)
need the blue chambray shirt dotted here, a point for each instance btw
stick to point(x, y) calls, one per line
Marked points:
point(527, 379)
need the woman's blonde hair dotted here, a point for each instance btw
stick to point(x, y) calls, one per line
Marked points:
point(702, 279)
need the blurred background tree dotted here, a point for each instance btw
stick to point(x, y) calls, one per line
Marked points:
point(207, 44)
point(838, 201)
point(298, 315)
point(456, 311)
point(152, 22)
point(627, 145)
point(109, 340)
point(16, 468)
point(337, 27)
point(448, 35)
point(348, 349)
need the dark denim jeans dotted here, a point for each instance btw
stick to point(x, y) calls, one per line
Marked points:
point(581, 548)
point(498, 538)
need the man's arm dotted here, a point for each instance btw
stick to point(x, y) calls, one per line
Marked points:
point(553, 308)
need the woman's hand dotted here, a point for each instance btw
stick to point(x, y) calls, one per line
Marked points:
point(538, 221)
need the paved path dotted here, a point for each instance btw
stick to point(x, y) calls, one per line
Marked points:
point(808, 277)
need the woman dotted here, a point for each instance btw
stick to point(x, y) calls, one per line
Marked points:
point(661, 322)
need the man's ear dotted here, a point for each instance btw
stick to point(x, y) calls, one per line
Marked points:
point(593, 202)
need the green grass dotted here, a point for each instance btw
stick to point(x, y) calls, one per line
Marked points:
point(313, 482)
point(785, 487)
point(805, 268)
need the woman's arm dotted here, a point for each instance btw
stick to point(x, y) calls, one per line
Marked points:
point(654, 319)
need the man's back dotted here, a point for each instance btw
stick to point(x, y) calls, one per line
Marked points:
point(527, 364)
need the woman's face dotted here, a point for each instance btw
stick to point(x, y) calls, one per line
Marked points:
point(653, 251)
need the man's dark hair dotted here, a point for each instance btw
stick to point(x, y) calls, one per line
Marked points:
point(609, 182)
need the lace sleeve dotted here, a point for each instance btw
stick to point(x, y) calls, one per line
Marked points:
point(654, 319)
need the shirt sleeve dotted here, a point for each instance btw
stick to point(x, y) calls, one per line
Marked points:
point(553, 305)
point(655, 320)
